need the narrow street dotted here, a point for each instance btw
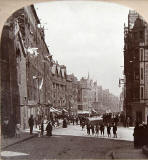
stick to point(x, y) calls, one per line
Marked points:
point(67, 143)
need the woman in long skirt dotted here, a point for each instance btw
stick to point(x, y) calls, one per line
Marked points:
point(49, 129)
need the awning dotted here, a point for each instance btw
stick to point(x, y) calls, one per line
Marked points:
point(64, 110)
point(95, 118)
point(54, 110)
point(94, 111)
point(83, 112)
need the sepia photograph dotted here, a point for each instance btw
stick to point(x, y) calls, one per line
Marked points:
point(74, 82)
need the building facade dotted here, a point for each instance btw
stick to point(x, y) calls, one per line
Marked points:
point(72, 94)
point(59, 86)
point(136, 68)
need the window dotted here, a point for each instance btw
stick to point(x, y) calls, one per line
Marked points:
point(141, 73)
point(142, 93)
point(141, 54)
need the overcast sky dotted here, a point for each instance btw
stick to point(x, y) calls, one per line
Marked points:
point(86, 36)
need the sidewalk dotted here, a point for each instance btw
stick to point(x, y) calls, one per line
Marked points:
point(6, 142)
point(128, 152)
point(25, 135)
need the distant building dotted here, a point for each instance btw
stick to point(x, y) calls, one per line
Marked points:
point(136, 68)
point(72, 94)
point(93, 98)
point(84, 94)
point(121, 101)
point(59, 86)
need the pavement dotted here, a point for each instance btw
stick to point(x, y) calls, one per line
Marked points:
point(124, 134)
point(121, 152)
point(7, 142)
point(24, 135)
point(128, 152)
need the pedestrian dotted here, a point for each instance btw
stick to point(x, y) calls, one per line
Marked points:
point(49, 129)
point(108, 130)
point(31, 123)
point(102, 129)
point(128, 122)
point(42, 128)
point(136, 135)
point(88, 128)
point(83, 125)
point(92, 129)
point(5, 128)
point(73, 120)
point(97, 129)
point(18, 130)
point(77, 120)
point(64, 123)
point(115, 130)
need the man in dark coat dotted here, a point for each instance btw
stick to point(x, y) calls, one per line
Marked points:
point(88, 128)
point(92, 129)
point(108, 130)
point(31, 123)
point(102, 129)
point(49, 129)
point(115, 130)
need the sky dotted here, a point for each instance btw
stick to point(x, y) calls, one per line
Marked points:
point(87, 37)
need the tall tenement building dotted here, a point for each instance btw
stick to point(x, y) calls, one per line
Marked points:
point(136, 68)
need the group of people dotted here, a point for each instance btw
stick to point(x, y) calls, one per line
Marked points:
point(41, 126)
point(99, 129)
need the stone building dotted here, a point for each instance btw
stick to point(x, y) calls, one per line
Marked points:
point(59, 86)
point(136, 68)
point(94, 99)
point(94, 96)
point(28, 63)
point(72, 94)
point(38, 65)
point(10, 97)
point(84, 97)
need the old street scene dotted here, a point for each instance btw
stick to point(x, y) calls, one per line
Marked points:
point(74, 82)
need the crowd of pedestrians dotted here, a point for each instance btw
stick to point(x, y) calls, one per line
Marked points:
point(44, 124)
point(96, 129)
point(99, 129)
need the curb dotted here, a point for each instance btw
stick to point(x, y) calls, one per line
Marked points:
point(25, 139)
point(145, 150)
point(22, 140)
